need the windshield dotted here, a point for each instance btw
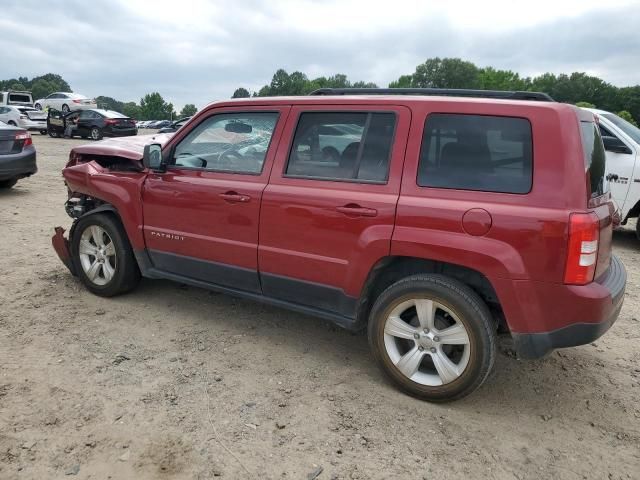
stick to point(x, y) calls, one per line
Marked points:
point(626, 127)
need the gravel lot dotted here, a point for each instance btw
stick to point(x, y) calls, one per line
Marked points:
point(177, 382)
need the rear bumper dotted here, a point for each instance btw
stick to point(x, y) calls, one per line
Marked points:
point(18, 165)
point(61, 246)
point(33, 125)
point(112, 132)
point(604, 299)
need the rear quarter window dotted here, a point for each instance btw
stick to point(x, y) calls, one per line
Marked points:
point(476, 152)
point(594, 158)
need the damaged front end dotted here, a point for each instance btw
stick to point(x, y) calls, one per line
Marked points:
point(61, 246)
point(106, 169)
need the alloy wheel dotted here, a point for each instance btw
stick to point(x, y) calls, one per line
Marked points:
point(427, 342)
point(97, 255)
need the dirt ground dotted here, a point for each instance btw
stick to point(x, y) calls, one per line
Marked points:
point(175, 382)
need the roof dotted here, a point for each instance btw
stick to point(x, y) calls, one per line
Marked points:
point(401, 100)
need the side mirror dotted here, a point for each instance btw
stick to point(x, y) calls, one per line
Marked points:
point(152, 158)
point(614, 144)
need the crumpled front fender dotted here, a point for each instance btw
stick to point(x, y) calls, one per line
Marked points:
point(61, 246)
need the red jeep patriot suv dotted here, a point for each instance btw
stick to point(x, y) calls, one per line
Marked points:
point(435, 218)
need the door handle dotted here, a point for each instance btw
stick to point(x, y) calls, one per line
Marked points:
point(355, 210)
point(235, 197)
point(612, 176)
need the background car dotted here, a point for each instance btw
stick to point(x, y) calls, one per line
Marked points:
point(65, 102)
point(175, 125)
point(17, 155)
point(95, 124)
point(25, 117)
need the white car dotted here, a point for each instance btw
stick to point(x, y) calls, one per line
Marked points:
point(25, 117)
point(65, 101)
point(622, 145)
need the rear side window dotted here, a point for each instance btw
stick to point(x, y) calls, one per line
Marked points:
point(476, 152)
point(594, 157)
point(348, 146)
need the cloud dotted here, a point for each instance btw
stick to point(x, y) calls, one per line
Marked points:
point(200, 51)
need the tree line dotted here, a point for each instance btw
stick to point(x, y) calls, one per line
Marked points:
point(151, 107)
point(576, 87)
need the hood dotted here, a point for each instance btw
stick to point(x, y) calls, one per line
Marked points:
point(130, 148)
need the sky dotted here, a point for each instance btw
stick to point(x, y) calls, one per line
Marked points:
point(198, 51)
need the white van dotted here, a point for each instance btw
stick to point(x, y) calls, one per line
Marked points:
point(622, 144)
point(17, 98)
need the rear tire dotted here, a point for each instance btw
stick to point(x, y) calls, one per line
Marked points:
point(433, 336)
point(65, 108)
point(8, 183)
point(103, 257)
point(96, 133)
point(638, 228)
point(43, 132)
point(53, 134)
point(12, 123)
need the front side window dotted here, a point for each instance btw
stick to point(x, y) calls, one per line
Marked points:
point(476, 152)
point(228, 142)
point(353, 146)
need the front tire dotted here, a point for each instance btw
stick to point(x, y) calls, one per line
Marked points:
point(433, 336)
point(8, 183)
point(103, 257)
point(43, 132)
point(37, 106)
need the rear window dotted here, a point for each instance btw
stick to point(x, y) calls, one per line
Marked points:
point(19, 98)
point(594, 157)
point(476, 152)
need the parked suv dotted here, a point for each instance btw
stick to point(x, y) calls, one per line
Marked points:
point(434, 221)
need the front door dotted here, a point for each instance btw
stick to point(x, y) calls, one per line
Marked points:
point(328, 211)
point(201, 215)
point(619, 165)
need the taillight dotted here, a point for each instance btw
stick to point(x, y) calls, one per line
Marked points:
point(23, 117)
point(111, 121)
point(582, 254)
point(26, 136)
point(77, 101)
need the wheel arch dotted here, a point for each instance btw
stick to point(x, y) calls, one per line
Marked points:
point(389, 270)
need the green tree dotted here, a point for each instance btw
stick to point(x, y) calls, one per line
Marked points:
point(585, 105)
point(627, 116)
point(109, 103)
point(154, 107)
point(189, 110)
point(131, 110)
point(446, 73)
point(492, 79)
point(405, 81)
point(241, 93)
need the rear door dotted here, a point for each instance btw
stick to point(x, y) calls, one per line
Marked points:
point(201, 215)
point(328, 211)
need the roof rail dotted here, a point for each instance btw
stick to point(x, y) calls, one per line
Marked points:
point(447, 92)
